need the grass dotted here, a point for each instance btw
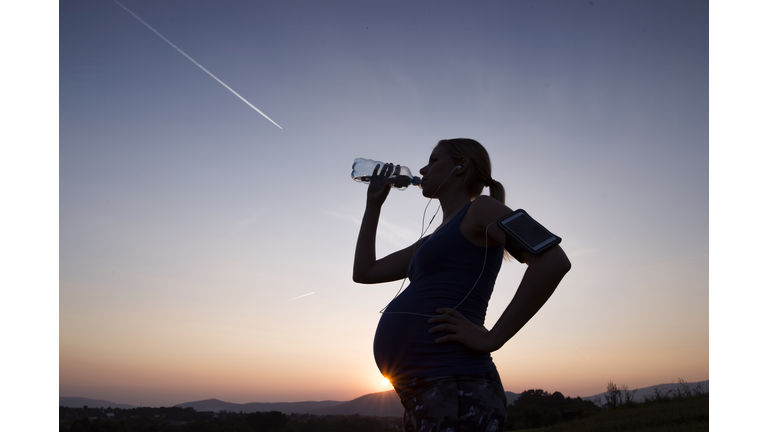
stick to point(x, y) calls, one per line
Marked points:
point(674, 415)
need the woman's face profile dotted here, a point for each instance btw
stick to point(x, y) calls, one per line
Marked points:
point(438, 170)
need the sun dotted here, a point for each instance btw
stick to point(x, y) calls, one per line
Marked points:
point(385, 382)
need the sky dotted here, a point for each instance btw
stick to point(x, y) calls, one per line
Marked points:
point(206, 252)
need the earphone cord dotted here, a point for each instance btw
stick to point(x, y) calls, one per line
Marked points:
point(423, 230)
point(482, 269)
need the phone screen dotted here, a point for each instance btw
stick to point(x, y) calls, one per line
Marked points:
point(530, 232)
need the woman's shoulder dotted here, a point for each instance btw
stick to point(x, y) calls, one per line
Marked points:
point(486, 205)
point(485, 210)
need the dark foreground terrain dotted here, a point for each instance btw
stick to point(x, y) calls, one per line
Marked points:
point(671, 415)
point(684, 408)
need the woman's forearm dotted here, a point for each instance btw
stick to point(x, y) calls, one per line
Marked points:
point(539, 282)
point(365, 250)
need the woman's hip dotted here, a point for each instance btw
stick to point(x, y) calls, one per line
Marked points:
point(459, 403)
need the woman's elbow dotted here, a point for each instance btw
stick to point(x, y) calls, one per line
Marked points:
point(562, 263)
point(565, 266)
point(356, 278)
point(359, 277)
point(555, 260)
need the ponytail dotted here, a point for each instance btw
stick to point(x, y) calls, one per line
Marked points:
point(496, 190)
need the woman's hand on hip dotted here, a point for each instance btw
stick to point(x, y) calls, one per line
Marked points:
point(461, 330)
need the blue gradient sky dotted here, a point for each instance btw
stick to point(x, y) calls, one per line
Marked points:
point(188, 222)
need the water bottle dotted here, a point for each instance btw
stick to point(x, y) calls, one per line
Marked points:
point(362, 170)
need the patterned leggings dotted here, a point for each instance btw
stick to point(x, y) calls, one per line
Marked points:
point(462, 403)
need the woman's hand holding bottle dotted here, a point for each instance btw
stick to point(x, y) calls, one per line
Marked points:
point(381, 183)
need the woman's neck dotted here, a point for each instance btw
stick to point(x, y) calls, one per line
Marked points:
point(452, 203)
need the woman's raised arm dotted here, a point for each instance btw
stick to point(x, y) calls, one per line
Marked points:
point(367, 269)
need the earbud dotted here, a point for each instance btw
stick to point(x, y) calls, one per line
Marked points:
point(457, 167)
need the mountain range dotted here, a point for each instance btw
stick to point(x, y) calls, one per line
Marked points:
point(385, 403)
point(375, 404)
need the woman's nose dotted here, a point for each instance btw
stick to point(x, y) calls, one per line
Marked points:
point(423, 171)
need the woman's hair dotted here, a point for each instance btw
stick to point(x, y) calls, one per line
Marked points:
point(479, 172)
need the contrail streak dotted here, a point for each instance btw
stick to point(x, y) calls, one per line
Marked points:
point(583, 353)
point(193, 61)
point(295, 298)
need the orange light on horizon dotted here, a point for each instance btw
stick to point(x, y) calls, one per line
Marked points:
point(385, 382)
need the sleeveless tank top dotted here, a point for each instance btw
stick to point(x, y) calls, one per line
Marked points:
point(441, 274)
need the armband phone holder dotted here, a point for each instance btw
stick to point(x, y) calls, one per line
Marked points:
point(524, 233)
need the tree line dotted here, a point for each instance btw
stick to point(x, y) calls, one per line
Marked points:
point(538, 408)
point(177, 419)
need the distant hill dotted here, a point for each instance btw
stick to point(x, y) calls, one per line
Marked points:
point(79, 402)
point(383, 404)
point(511, 397)
point(648, 391)
point(284, 407)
